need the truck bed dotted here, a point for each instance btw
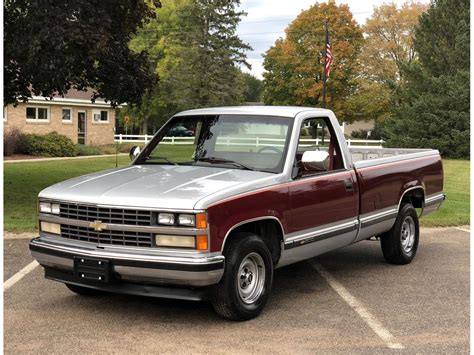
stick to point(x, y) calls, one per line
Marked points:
point(384, 155)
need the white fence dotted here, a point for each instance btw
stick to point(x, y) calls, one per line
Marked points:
point(240, 141)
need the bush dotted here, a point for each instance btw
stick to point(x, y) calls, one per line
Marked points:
point(87, 150)
point(375, 133)
point(50, 145)
point(14, 142)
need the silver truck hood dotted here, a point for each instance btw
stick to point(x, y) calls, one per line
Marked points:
point(152, 186)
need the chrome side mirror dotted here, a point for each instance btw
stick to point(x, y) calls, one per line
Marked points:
point(134, 151)
point(315, 160)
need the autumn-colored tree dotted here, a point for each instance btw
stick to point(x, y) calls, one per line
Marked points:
point(388, 47)
point(294, 65)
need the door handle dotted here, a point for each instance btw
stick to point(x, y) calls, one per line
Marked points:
point(348, 184)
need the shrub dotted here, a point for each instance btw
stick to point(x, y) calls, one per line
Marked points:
point(87, 150)
point(51, 145)
point(14, 142)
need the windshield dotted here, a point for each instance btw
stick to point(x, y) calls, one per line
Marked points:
point(231, 141)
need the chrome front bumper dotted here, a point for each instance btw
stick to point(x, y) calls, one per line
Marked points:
point(133, 265)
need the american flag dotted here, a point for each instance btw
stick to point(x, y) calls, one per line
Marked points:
point(328, 55)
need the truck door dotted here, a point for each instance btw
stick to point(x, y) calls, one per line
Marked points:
point(324, 197)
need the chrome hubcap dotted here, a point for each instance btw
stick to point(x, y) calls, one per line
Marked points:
point(408, 234)
point(251, 278)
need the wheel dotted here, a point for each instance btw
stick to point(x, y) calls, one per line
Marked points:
point(248, 276)
point(399, 244)
point(84, 291)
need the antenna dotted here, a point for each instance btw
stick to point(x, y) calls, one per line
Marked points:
point(116, 150)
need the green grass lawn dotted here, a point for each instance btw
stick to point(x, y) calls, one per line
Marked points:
point(23, 182)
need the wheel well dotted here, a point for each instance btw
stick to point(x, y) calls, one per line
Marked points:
point(269, 230)
point(415, 197)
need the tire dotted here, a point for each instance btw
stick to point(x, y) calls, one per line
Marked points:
point(240, 295)
point(84, 291)
point(399, 244)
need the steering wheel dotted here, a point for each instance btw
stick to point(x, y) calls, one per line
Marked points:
point(268, 147)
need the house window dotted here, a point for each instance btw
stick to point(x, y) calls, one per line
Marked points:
point(67, 115)
point(37, 114)
point(101, 116)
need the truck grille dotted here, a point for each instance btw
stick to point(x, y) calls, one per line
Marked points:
point(137, 239)
point(106, 215)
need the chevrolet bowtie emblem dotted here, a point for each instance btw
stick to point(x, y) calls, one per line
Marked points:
point(98, 226)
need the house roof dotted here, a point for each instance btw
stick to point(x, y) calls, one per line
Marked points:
point(73, 97)
point(79, 95)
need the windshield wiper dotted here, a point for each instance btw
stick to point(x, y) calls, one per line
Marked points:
point(215, 160)
point(160, 158)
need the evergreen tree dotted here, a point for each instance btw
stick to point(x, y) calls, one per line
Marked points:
point(196, 52)
point(434, 112)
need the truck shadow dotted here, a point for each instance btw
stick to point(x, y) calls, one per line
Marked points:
point(289, 283)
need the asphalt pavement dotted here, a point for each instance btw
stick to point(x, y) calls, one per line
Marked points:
point(346, 301)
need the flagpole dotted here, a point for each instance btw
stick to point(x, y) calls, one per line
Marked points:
point(325, 62)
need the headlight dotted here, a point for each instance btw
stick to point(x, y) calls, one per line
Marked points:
point(188, 220)
point(45, 207)
point(166, 218)
point(198, 220)
point(48, 207)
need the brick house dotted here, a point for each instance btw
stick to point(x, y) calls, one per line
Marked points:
point(73, 115)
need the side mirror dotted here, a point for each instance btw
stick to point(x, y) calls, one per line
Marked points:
point(315, 160)
point(134, 151)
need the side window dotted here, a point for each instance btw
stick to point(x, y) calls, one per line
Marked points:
point(66, 115)
point(101, 116)
point(318, 141)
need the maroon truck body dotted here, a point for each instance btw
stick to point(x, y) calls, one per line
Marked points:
point(322, 200)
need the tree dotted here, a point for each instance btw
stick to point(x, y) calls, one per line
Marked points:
point(253, 88)
point(294, 65)
point(389, 42)
point(434, 110)
point(196, 52)
point(388, 46)
point(51, 47)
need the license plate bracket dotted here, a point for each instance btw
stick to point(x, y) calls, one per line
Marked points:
point(92, 269)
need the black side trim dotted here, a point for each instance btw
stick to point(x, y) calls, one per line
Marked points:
point(379, 220)
point(319, 237)
point(133, 263)
point(181, 293)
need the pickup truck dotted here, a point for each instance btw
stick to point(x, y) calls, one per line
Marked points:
point(212, 215)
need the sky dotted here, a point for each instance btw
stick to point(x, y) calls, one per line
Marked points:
point(266, 21)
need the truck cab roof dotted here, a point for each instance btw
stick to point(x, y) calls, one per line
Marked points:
point(282, 111)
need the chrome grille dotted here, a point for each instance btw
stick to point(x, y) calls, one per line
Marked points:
point(106, 215)
point(137, 239)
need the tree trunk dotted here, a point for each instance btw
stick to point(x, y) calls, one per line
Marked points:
point(144, 127)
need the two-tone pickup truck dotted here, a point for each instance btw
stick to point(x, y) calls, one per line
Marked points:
point(210, 215)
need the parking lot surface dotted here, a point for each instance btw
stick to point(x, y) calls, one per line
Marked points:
point(334, 303)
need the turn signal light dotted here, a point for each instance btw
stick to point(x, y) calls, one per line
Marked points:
point(201, 221)
point(201, 242)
